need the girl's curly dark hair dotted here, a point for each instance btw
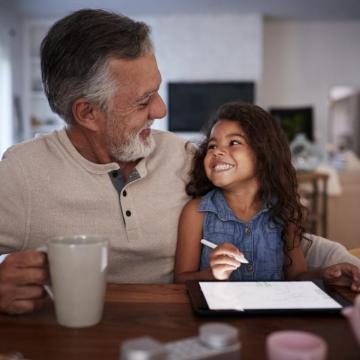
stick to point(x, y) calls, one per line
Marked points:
point(276, 174)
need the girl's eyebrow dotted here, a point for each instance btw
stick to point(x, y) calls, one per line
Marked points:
point(236, 134)
point(229, 135)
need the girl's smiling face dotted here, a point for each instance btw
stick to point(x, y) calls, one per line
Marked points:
point(229, 162)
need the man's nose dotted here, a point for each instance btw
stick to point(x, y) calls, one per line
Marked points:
point(158, 108)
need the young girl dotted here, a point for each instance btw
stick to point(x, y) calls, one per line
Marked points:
point(245, 201)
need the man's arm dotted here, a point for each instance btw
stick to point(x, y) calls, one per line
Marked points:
point(321, 252)
point(22, 275)
point(21, 272)
point(332, 262)
point(14, 204)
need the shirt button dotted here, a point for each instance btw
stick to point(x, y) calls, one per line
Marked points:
point(115, 173)
point(249, 267)
point(247, 231)
point(124, 193)
point(128, 213)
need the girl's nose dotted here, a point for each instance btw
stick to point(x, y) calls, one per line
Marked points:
point(219, 152)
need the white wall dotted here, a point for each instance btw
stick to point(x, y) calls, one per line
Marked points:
point(303, 60)
point(292, 62)
point(207, 48)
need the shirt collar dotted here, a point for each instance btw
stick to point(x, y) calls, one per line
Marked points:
point(88, 165)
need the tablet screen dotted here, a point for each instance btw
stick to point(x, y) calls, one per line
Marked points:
point(266, 295)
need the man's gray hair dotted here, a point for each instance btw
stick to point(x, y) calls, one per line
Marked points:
point(75, 57)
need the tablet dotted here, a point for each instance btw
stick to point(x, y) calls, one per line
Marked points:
point(263, 297)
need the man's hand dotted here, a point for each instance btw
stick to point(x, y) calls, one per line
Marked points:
point(222, 261)
point(22, 275)
point(343, 274)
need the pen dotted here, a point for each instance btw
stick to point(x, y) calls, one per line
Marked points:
point(211, 245)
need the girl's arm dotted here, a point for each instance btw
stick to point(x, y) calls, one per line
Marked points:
point(188, 250)
point(298, 268)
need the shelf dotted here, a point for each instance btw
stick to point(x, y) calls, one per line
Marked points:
point(37, 114)
point(315, 200)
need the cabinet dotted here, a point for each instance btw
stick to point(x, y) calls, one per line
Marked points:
point(344, 224)
point(37, 115)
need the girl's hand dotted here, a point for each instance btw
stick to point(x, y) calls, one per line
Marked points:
point(343, 274)
point(222, 261)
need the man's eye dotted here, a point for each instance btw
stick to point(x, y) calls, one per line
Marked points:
point(144, 104)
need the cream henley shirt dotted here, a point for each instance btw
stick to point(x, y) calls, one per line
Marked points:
point(48, 189)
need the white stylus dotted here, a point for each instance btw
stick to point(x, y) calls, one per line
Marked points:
point(241, 258)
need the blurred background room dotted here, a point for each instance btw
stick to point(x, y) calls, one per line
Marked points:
point(299, 59)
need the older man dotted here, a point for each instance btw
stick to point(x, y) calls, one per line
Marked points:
point(106, 173)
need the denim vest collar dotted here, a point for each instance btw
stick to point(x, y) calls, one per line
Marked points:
point(214, 201)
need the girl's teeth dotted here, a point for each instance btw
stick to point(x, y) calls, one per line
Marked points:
point(223, 167)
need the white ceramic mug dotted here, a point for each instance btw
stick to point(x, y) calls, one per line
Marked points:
point(295, 345)
point(78, 278)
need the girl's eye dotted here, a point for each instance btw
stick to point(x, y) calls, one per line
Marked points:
point(235, 142)
point(211, 146)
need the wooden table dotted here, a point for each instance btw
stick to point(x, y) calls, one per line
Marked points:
point(160, 311)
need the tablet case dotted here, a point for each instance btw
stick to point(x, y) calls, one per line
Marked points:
point(200, 306)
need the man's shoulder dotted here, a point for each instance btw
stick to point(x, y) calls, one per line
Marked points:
point(27, 148)
point(162, 136)
point(172, 155)
point(171, 141)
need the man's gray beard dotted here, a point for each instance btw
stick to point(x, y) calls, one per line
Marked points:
point(134, 149)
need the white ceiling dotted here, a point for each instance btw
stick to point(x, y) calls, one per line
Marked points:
point(291, 9)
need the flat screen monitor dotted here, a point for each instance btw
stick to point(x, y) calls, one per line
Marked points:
point(191, 104)
point(295, 120)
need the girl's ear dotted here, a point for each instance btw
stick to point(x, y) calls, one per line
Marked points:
point(87, 114)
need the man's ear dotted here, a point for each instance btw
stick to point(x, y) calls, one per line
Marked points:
point(87, 114)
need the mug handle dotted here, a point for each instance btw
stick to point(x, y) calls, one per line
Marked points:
point(47, 288)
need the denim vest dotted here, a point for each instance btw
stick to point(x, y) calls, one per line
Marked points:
point(259, 240)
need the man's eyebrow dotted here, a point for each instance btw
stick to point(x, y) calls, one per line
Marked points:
point(146, 95)
point(149, 93)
